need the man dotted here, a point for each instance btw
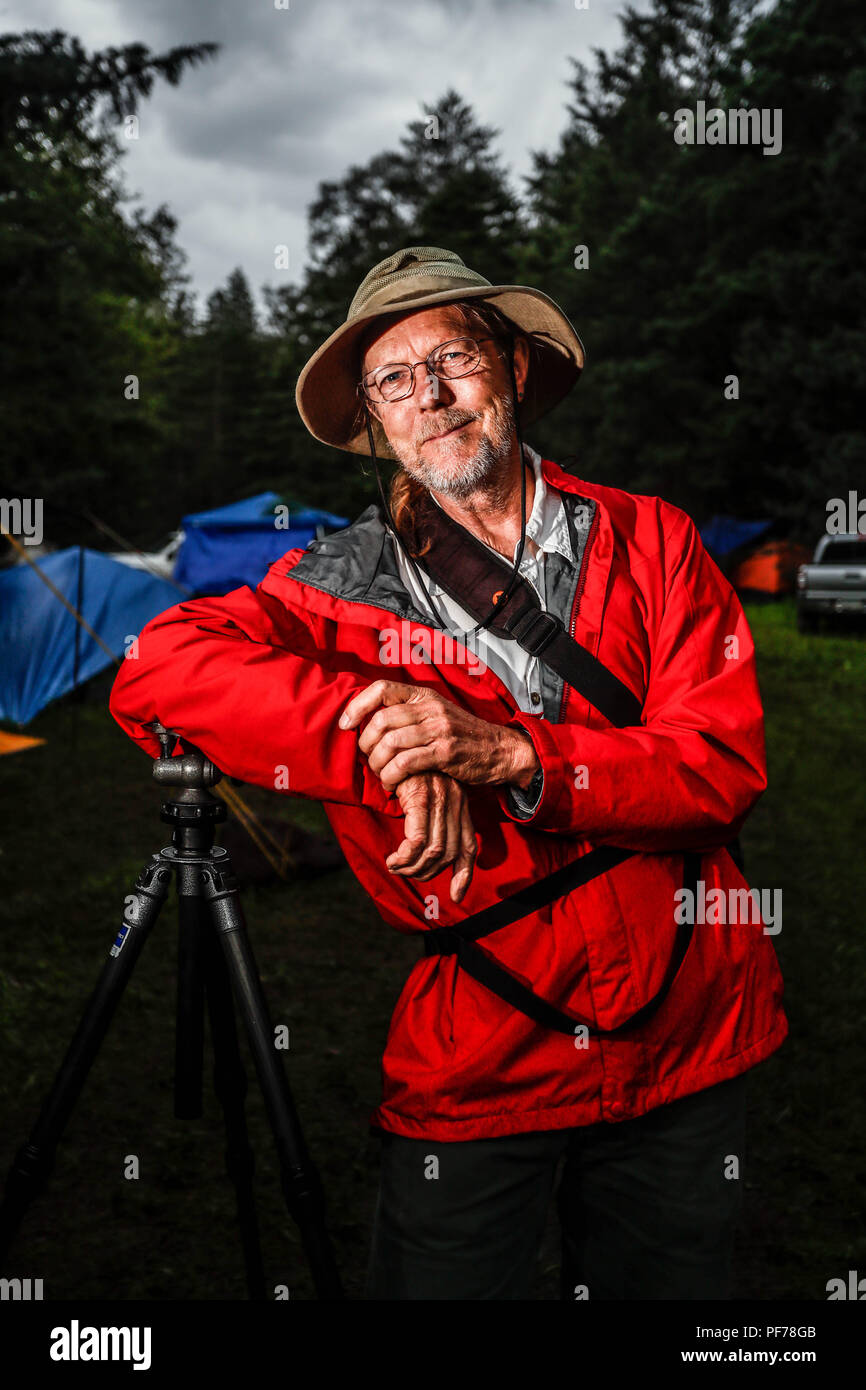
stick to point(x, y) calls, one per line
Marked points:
point(592, 1044)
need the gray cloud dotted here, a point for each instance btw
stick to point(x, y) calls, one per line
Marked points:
point(295, 96)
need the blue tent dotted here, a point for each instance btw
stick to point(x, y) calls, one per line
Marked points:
point(724, 534)
point(234, 545)
point(45, 652)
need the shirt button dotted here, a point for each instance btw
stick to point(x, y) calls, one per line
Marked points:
point(535, 697)
point(616, 1108)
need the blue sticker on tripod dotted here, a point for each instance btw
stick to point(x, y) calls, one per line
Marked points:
point(119, 940)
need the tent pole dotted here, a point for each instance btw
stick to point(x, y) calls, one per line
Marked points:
point(78, 599)
point(57, 594)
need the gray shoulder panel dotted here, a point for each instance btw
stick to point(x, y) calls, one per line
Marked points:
point(358, 565)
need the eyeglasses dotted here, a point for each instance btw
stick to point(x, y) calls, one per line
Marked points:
point(396, 380)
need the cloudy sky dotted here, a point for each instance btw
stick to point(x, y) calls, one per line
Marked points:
point(300, 92)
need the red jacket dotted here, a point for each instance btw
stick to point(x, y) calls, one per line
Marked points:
point(258, 680)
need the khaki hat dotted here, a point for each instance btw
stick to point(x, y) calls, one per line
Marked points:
point(326, 393)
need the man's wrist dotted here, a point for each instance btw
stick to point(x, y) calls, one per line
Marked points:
point(525, 763)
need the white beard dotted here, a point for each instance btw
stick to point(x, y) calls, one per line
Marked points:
point(473, 472)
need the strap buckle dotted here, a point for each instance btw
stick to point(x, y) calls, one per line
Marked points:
point(535, 630)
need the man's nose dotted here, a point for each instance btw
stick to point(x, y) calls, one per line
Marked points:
point(428, 387)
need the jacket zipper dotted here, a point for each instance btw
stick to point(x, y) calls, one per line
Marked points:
point(581, 580)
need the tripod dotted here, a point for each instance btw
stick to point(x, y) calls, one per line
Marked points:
point(214, 955)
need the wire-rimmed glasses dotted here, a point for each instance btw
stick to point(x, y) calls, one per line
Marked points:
point(395, 380)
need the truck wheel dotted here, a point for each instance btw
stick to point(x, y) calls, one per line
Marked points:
point(806, 622)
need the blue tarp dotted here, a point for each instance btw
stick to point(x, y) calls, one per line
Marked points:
point(37, 634)
point(234, 545)
point(723, 534)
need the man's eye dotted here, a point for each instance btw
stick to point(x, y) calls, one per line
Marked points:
point(389, 377)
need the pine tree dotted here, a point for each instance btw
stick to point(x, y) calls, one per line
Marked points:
point(86, 287)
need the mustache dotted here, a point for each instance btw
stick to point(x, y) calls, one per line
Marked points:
point(448, 419)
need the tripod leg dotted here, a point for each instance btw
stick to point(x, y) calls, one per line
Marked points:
point(34, 1161)
point(301, 1183)
point(230, 1084)
point(189, 1030)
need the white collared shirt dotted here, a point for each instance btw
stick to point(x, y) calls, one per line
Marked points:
point(546, 530)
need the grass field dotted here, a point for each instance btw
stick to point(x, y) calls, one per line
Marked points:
point(81, 817)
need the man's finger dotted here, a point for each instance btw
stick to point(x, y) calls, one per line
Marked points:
point(452, 821)
point(415, 824)
point(381, 692)
point(408, 762)
point(431, 861)
point(392, 742)
point(465, 862)
point(386, 719)
point(404, 859)
point(437, 832)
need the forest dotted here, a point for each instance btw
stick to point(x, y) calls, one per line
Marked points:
point(718, 286)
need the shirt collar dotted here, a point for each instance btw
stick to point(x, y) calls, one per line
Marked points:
point(546, 525)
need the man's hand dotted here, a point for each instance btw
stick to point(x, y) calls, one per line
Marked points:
point(413, 729)
point(438, 831)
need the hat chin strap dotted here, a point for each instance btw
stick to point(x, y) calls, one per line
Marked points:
point(391, 525)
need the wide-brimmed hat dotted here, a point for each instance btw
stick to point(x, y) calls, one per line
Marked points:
point(412, 279)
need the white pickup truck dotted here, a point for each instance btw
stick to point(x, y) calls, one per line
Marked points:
point(834, 583)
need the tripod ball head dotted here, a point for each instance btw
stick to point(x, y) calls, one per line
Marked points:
point(190, 769)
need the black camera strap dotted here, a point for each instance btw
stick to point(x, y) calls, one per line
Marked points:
point(460, 941)
point(474, 577)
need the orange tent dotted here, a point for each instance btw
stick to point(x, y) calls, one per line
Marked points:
point(771, 570)
point(13, 743)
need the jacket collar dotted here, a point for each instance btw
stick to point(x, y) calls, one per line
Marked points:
point(358, 565)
